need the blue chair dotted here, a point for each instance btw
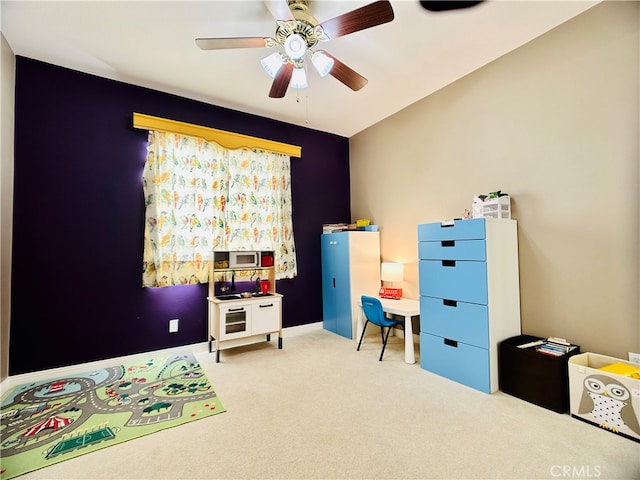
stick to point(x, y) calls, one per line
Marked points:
point(373, 313)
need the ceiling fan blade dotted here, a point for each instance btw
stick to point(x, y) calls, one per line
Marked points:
point(346, 75)
point(281, 81)
point(237, 42)
point(361, 18)
point(442, 6)
point(279, 9)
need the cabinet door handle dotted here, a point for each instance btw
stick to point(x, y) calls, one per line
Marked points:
point(449, 303)
point(241, 309)
point(448, 263)
point(267, 305)
point(448, 243)
point(451, 343)
point(334, 282)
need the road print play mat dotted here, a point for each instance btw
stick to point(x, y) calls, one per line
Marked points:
point(46, 422)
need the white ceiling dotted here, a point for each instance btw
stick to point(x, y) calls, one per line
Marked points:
point(151, 43)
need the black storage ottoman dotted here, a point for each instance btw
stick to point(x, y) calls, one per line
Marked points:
point(533, 376)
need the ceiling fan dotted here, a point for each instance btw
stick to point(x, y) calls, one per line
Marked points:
point(443, 5)
point(298, 33)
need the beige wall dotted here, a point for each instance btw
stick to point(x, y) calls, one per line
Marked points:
point(7, 82)
point(556, 125)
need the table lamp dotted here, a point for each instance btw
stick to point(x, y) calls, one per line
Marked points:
point(391, 272)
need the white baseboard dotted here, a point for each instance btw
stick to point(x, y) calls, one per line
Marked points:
point(301, 329)
point(10, 382)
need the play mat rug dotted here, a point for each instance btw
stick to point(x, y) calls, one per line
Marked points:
point(46, 422)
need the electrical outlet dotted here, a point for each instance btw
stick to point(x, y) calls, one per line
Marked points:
point(173, 325)
point(634, 357)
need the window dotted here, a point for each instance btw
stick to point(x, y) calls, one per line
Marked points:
point(201, 197)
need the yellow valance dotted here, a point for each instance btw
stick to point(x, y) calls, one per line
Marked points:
point(230, 140)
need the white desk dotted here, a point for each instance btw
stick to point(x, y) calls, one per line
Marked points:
point(405, 307)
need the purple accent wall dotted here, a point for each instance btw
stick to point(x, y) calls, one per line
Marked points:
point(79, 212)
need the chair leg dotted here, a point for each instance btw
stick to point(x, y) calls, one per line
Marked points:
point(384, 339)
point(362, 335)
point(384, 342)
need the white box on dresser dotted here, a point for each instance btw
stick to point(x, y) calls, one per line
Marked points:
point(469, 297)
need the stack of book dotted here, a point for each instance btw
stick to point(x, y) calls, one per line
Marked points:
point(555, 346)
point(334, 227)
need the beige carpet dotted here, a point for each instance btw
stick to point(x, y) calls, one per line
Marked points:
point(320, 409)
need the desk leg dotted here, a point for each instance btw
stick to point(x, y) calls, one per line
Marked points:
point(409, 354)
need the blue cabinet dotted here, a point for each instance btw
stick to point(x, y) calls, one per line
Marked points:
point(469, 297)
point(350, 268)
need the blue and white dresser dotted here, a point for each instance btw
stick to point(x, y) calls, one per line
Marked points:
point(469, 297)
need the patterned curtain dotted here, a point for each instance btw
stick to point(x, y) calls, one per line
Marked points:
point(202, 197)
point(259, 207)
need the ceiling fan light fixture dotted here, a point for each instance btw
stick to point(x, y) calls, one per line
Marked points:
point(298, 78)
point(272, 63)
point(322, 62)
point(295, 46)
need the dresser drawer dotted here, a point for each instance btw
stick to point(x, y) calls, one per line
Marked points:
point(456, 230)
point(454, 280)
point(464, 322)
point(460, 362)
point(453, 250)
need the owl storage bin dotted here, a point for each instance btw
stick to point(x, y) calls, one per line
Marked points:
point(601, 396)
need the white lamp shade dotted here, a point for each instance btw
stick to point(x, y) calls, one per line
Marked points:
point(322, 62)
point(392, 272)
point(298, 78)
point(295, 46)
point(272, 63)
